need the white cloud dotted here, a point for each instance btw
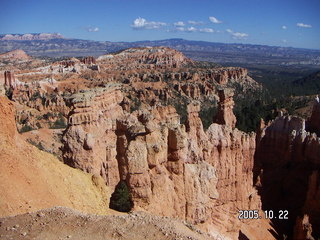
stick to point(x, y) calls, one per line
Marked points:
point(304, 25)
point(141, 23)
point(184, 29)
point(214, 20)
point(195, 22)
point(93, 29)
point(284, 27)
point(284, 40)
point(180, 29)
point(206, 30)
point(191, 29)
point(179, 24)
point(237, 35)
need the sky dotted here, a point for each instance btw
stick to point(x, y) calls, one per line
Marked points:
point(289, 23)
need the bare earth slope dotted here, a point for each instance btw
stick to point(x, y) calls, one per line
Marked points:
point(31, 179)
point(64, 223)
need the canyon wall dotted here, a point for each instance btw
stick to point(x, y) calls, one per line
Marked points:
point(171, 169)
point(89, 142)
point(312, 124)
point(287, 163)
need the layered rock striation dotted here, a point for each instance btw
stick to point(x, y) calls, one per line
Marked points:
point(122, 127)
point(89, 141)
point(225, 114)
point(145, 58)
point(171, 169)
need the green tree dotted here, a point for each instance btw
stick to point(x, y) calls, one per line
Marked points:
point(120, 199)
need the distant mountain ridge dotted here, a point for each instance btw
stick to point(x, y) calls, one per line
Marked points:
point(55, 45)
point(31, 36)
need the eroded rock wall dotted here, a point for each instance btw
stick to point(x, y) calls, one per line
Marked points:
point(171, 169)
point(90, 139)
point(313, 123)
point(287, 167)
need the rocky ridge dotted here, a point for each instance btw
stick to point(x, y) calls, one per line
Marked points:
point(31, 36)
point(122, 126)
point(147, 75)
point(198, 175)
point(149, 57)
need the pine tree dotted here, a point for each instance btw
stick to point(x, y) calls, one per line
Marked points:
point(120, 199)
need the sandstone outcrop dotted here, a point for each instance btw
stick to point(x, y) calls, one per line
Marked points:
point(123, 127)
point(225, 114)
point(88, 60)
point(9, 79)
point(303, 229)
point(149, 75)
point(148, 58)
point(171, 169)
point(31, 180)
point(90, 139)
point(287, 164)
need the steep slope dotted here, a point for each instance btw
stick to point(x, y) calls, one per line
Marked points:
point(31, 179)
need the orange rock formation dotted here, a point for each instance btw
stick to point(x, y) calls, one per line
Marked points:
point(171, 169)
point(31, 179)
point(287, 161)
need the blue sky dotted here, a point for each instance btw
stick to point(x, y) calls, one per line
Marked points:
point(294, 23)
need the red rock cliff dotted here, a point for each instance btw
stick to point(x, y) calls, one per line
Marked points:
point(171, 169)
point(287, 164)
point(90, 139)
point(225, 109)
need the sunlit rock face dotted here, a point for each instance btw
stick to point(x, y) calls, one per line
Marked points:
point(172, 169)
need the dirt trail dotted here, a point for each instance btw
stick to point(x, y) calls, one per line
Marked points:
point(64, 223)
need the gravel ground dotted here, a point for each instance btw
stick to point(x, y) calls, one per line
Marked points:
point(64, 223)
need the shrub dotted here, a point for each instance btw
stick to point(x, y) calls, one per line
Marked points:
point(35, 96)
point(135, 105)
point(120, 199)
point(25, 128)
point(181, 108)
point(37, 145)
point(9, 93)
point(207, 114)
point(59, 123)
